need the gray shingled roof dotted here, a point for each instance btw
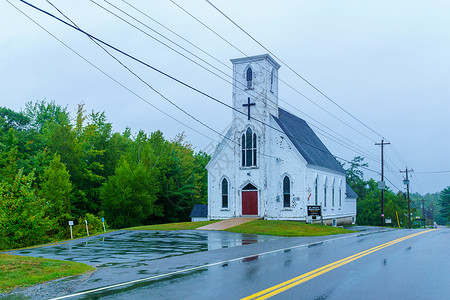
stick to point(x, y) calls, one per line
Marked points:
point(350, 192)
point(199, 211)
point(306, 141)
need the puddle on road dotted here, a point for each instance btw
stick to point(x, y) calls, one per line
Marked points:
point(136, 248)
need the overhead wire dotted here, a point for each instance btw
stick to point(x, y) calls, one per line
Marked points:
point(141, 79)
point(123, 86)
point(177, 80)
point(355, 148)
point(431, 172)
point(398, 155)
point(295, 72)
point(290, 86)
point(171, 48)
point(393, 184)
point(107, 75)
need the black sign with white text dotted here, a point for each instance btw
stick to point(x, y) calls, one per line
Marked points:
point(314, 210)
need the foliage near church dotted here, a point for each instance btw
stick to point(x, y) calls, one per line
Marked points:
point(55, 167)
point(445, 204)
point(369, 201)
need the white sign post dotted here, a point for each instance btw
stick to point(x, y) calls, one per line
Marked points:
point(70, 225)
point(103, 221)
point(87, 230)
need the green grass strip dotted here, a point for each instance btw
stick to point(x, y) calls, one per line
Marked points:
point(286, 228)
point(22, 271)
point(173, 226)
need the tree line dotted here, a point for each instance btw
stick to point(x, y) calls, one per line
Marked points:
point(434, 208)
point(55, 168)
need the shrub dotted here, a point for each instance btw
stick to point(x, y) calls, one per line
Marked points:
point(23, 219)
point(95, 225)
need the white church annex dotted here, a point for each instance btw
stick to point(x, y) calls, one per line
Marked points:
point(270, 163)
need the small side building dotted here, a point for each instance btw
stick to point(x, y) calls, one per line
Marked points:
point(199, 213)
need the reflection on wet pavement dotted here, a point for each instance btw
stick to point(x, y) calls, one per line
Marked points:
point(126, 249)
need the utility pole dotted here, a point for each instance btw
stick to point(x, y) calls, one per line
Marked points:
point(432, 213)
point(423, 211)
point(381, 184)
point(406, 181)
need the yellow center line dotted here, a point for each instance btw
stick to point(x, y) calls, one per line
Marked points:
point(272, 291)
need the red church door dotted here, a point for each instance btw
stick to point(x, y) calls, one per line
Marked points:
point(250, 203)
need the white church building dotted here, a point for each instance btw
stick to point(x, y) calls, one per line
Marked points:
point(270, 164)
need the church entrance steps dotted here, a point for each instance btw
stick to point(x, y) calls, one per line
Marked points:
point(228, 223)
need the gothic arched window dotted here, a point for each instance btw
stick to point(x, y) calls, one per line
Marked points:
point(332, 194)
point(286, 192)
point(316, 191)
point(249, 77)
point(271, 80)
point(224, 193)
point(325, 193)
point(248, 145)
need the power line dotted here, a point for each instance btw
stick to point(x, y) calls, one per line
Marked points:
point(140, 78)
point(393, 184)
point(432, 172)
point(342, 143)
point(398, 155)
point(116, 81)
point(176, 34)
point(333, 139)
point(295, 72)
point(290, 86)
point(175, 79)
point(109, 76)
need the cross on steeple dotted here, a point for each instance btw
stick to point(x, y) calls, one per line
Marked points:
point(248, 104)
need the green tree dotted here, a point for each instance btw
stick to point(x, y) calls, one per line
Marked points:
point(55, 189)
point(11, 119)
point(23, 219)
point(201, 159)
point(128, 197)
point(182, 178)
point(445, 203)
point(369, 206)
point(355, 177)
point(9, 157)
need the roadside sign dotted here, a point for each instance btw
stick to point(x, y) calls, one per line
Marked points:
point(87, 229)
point(388, 221)
point(381, 185)
point(314, 210)
point(70, 225)
point(103, 221)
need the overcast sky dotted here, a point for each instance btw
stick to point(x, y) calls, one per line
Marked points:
point(385, 62)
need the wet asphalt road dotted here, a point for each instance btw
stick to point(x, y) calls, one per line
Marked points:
point(416, 268)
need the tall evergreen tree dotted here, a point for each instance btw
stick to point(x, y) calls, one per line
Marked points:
point(445, 203)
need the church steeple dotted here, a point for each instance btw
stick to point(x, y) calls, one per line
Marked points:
point(255, 89)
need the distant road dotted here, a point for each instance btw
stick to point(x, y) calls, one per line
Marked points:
point(397, 264)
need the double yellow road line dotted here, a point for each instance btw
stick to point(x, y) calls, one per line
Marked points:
point(279, 288)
